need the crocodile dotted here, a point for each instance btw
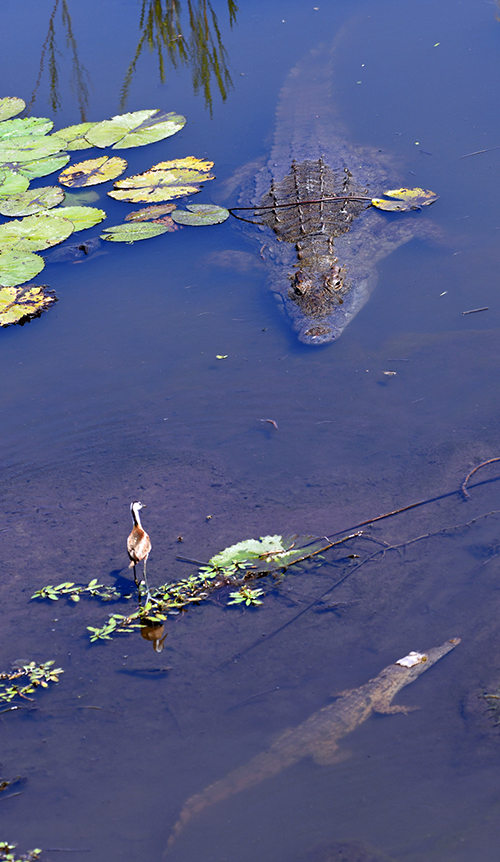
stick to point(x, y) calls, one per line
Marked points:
point(320, 734)
point(323, 255)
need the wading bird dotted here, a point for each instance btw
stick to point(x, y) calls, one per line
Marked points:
point(138, 543)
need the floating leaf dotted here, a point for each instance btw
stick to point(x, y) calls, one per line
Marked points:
point(25, 126)
point(83, 217)
point(164, 181)
point(80, 199)
point(133, 232)
point(93, 171)
point(25, 148)
point(12, 183)
point(10, 106)
point(200, 214)
point(407, 199)
point(270, 553)
point(40, 167)
point(34, 233)
point(16, 267)
point(135, 129)
point(149, 213)
point(73, 137)
point(30, 202)
point(20, 304)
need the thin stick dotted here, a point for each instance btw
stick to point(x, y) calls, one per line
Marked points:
point(474, 310)
point(478, 152)
point(463, 489)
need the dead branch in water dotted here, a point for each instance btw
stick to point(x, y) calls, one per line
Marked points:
point(463, 489)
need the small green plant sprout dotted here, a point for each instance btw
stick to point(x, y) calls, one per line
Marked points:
point(7, 853)
point(38, 675)
point(247, 595)
point(69, 589)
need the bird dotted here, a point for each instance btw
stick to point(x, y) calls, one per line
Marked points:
point(138, 543)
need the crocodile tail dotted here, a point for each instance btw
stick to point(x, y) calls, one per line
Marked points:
point(262, 766)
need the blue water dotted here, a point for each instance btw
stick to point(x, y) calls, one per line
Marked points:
point(116, 394)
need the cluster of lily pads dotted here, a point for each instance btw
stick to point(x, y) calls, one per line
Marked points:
point(29, 149)
point(235, 566)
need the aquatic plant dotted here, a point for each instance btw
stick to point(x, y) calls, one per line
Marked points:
point(7, 853)
point(38, 675)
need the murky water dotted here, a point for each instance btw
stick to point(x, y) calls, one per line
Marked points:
point(116, 394)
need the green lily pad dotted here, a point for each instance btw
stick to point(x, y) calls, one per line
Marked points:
point(83, 217)
point(270, 553)
point(20, 304)
point(73, 137)
point(30, 202)
point(41, 167)
point(93, 171)
point(135, 129)
point(16, 267)
point(200, 214)
point(164, 181)
point(150, 213)
point(12, 183)
point(26, 148)
point(10, 106)
point(34, 233)
point(133, 232)
point(407, 199)
point(26, 126)
point(80, 199)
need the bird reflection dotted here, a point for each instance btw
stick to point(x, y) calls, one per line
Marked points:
point(155, 634)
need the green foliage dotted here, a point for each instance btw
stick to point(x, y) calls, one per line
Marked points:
point(7, 853)
point(38, 675)
point(68, 588)
point(246, 595)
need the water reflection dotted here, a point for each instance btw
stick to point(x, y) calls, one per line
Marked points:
point(50, 51)
point(162, 31)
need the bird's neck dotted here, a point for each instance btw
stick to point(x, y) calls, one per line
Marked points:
point(136, 518)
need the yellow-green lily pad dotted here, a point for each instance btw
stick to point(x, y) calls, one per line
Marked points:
point(24, 126)
point(34, 233)
point(135, 129)
point(20, 304)
point(164, 181)
point(80, 199)
point(16, 267)
point(32, 201)
point(26, 148)
point(133, 232)
point(150, 213)
point(407, 199)
point(82, 217)
point(73, 137)
point(10, 106)
point(200, 214)
point(41, 167)
point(12, 183)
point(93, 171)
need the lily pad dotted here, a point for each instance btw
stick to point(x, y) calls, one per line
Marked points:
point(26, 126)
point(12, 183)
point(83, 217)
point(16, 267)
point(10, 106)
point(150, 213)
point(164, 181)
point(133, 232)
point(32, 201)
point(40, 167)
point(200, 214)
point(135, 129)
point(80, 199)
point(93, 171)
point(20, 304)
point(34, 233)
point(26, 148)
point(73, 137)
point(270, 553)
point(407, 199)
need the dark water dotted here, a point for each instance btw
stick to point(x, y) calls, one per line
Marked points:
point(116, 394)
